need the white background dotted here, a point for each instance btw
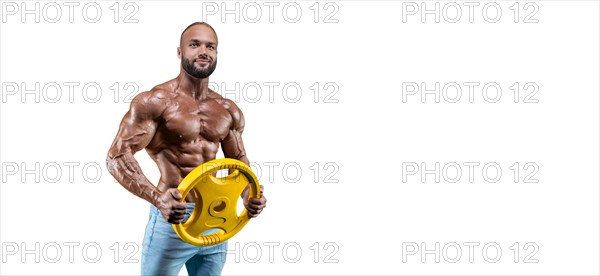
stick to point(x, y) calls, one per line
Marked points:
point(352, 213)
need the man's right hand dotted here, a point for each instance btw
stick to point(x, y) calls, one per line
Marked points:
point(170, 207)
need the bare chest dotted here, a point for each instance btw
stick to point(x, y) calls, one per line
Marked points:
point(190, 122)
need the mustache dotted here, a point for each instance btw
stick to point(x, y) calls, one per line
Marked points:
point(203, 57)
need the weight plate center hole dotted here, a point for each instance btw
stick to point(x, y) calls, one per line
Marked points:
point(219, 206)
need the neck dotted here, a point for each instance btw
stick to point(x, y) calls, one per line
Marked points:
point(195, 87)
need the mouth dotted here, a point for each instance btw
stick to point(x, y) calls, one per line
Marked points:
point(202, 61)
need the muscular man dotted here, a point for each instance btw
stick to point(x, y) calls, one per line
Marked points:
point(180, 123)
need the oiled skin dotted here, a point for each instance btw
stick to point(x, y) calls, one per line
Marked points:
point(180, 123)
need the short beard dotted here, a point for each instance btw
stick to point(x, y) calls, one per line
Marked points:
point(198, 73)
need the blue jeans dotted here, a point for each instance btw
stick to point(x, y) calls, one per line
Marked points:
point(164, 253)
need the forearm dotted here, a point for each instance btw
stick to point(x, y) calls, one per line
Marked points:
point(247, 189)
point(239, 154)
point(126, 170)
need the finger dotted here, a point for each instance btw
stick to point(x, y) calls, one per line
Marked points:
point(255, 213)
point(176, 218)
point(254, 206)
point(175, 193)
point(252, 210)
point(178, 212)
point(258, 201)
point(179, 205)
point(176, 221)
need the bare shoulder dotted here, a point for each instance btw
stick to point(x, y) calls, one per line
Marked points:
point(226, 103)
point(231, 106)
point(151, 103)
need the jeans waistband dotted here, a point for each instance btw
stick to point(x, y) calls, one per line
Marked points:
point(190, 208)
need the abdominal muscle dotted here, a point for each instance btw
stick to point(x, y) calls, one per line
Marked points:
point(175, 164)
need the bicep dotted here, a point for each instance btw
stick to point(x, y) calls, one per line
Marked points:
point(136, 130)
point(232, 145)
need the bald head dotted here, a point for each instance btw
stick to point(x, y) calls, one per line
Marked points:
point(196, 24)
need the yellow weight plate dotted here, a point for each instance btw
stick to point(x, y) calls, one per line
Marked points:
point(216, 201)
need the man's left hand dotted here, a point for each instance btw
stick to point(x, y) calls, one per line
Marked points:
point(255, 205)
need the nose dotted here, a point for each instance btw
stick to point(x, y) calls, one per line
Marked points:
point(202, 50)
